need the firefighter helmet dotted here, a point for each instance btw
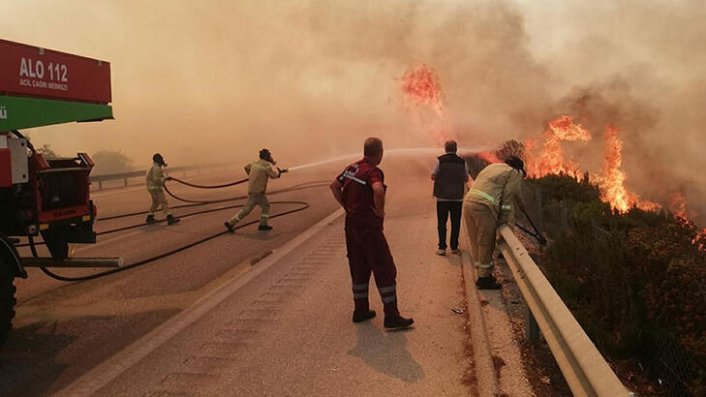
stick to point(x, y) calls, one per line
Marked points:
point(157, 158)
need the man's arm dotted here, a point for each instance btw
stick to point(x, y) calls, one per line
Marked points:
point(272, 173)
point(379, 199)
point(247, 169)
point(337, 190)
point(435, 171)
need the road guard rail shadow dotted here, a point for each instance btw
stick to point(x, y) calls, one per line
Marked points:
point(586, 371)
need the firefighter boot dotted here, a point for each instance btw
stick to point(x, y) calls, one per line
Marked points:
point(171, 220)
point(397, 322)
point(264, 227)
point(363, 316)
point(150, 219)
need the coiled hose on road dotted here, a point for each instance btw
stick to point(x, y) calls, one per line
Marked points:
point(192, 203)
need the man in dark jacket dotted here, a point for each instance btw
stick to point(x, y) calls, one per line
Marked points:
point(450, 176)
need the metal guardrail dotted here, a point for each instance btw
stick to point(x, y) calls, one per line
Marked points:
point(586, 371)
point(125, 176)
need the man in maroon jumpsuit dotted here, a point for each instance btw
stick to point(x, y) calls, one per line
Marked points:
point(360, 190)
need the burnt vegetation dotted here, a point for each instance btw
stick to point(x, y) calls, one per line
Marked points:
point(636, 282)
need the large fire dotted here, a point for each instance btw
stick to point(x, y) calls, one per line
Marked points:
point(421, 89)
point(612, 181)
point(423, 97)
point(552, 159)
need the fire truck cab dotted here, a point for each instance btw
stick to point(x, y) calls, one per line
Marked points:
point(47, 197)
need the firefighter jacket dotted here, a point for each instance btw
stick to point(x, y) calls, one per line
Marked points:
point(155, 178)
point(450, 176)
point(498, 187)
point(259, 172)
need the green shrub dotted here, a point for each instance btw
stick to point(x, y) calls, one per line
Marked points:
point(633, 280)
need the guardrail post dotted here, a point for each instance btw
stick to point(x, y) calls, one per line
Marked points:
point(533, 334)
point(125, 181)
point(586, 371)
point(100, 185)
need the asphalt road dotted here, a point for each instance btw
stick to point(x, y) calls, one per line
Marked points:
point(65, 330)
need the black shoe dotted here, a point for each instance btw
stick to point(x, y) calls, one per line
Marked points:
point(264, 227)
point(150, 220)
point(398, 322)
point(230, 227)
point(487, 283)
point(171, 220)
point(360, 317)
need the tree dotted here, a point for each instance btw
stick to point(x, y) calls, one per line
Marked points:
point(111, 162)
point(46, 151)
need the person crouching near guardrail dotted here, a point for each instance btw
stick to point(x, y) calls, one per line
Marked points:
point(259, 172)
point(487, 205)
point(155, 186)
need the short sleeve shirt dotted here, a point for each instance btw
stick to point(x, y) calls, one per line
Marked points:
point(358, 179)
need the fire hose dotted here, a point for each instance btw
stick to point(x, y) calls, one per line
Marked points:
point(303, 206)
point(536, 233)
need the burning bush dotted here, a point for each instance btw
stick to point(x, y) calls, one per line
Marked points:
point(636, 281)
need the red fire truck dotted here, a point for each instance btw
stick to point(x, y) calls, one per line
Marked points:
point(41, 196)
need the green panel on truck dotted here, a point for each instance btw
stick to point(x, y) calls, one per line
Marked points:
point(20, 112)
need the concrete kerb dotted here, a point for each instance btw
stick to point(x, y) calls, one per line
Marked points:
point(486, 375)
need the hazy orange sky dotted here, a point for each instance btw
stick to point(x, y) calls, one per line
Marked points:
point(218, 80)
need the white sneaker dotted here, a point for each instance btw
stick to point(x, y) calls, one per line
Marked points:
point(456, 252)
point(441, 252)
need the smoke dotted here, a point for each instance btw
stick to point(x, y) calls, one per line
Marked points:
point(635, 64)
point(217, 80)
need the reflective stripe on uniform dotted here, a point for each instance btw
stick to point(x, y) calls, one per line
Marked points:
point(389, 299)
point(360, 287)
point(352, 176)
point(507, 207)
point(359, 295)
point(485, 265)
point(482, 194)
point(385, 290)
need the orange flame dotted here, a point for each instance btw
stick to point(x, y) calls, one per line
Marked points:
point(551, 160)
point(677, 204)
point(421, 88)
point(489, 157)
point(612, 182)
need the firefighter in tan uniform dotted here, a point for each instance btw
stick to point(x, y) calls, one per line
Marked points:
point(155, 186)
point(487, 205)
point(259, 172)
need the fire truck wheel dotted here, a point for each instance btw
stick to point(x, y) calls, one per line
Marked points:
point(7, 300)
